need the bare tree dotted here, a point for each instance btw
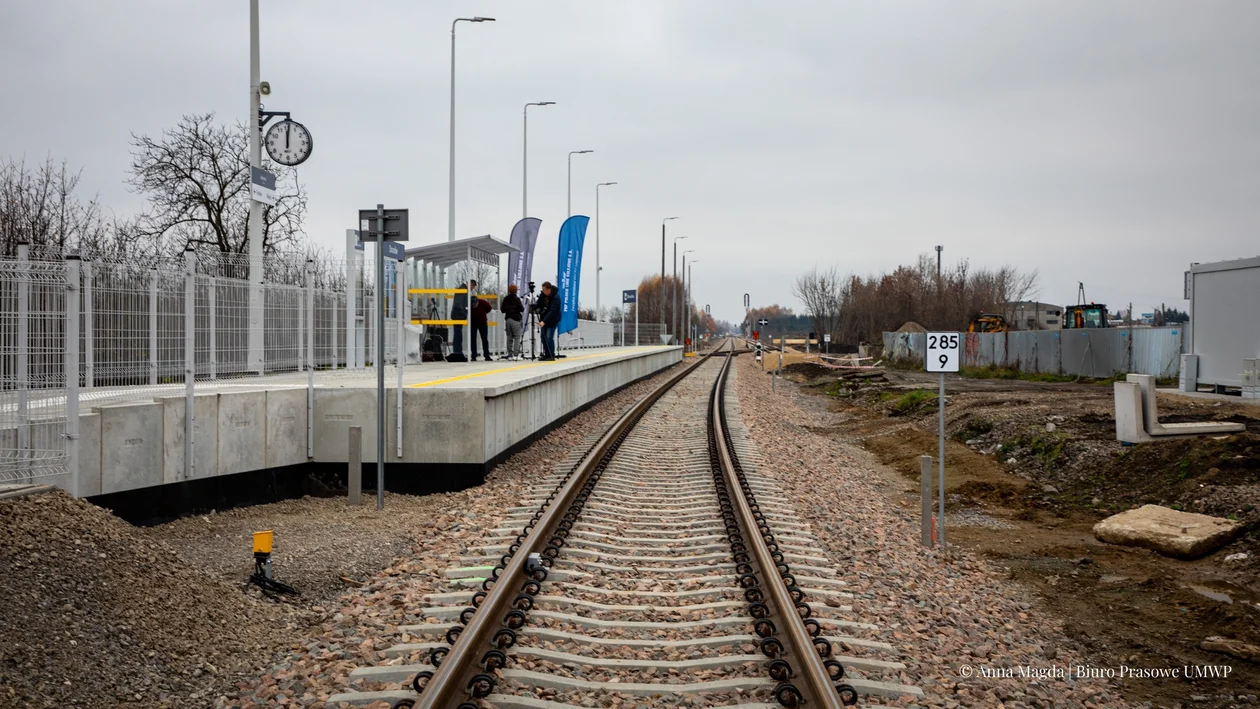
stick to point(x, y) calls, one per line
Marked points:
point(821, 292)
point(39, 205)
point(196, 178)
point(875, 304)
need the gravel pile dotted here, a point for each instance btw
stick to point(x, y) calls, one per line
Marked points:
point(318, 541)
point(95, 613)
point(950, 614)
point(363, 622)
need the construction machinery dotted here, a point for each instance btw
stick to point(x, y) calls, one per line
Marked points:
point(1084, 315)
point(988, 322)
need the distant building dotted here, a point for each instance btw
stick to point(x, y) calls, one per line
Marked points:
point(1031, 315)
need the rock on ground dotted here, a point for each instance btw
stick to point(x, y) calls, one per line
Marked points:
point(1183, 535)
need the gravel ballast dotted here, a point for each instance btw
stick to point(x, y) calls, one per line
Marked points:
point(96, 613)
point(362, 623)
point(952, 616)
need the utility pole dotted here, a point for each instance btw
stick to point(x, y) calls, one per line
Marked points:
point(254, 235)
point(662, 294)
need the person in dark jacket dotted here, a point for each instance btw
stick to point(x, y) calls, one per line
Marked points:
point(513, 309)
point(549, 318)
point(481, 308)
point(459, 311)
point(536, 310)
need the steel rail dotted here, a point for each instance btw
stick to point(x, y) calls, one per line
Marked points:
point(818, 689)
point(459, 669)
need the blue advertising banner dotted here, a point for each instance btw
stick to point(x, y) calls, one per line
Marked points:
point(569, 269)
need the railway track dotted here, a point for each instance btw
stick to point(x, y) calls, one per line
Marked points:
point(655, 569)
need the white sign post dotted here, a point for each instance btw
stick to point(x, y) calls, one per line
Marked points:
point(944, 354)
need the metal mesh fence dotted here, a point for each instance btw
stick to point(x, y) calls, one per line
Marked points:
point(32, 370)
point(133, 331)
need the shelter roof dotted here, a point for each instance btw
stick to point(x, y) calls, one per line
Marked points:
point(449, 253)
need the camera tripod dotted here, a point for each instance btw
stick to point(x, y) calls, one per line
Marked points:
point(532, 314)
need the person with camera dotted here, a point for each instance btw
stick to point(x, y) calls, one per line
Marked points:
point(512, 310)
point(549, 318)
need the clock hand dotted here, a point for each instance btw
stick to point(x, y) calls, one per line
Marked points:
point(286, 136)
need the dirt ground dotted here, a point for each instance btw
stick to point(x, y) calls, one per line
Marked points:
point(1032, 466)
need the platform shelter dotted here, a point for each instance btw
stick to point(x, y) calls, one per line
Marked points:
point(438, 269)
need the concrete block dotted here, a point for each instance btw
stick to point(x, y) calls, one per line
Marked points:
point(1188, 376)
point(1183, 535)
point(1129, 427)
point(1150, 406)
point(286, 427)
point(336, 410)
point(1150, 415)
point(439, 426)
point(89, 454)
point(205, 437)
point(242, 425)
point(131, 449)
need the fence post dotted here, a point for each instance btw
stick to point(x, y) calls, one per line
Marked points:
point(89, 355)
point(351, 285)
point(400, 281)
point(71, 371)
point(369, 326)
point(310, 359)
point(302, 327)
point(190, 359)
point(23, 353)
point(214, 339)
point(153, 323)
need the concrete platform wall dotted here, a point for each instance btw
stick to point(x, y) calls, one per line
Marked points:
point(137, 445)
point(515, 415)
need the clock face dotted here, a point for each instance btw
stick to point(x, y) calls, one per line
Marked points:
point(288, 143)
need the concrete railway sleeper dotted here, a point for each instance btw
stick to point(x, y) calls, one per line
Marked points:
point(648, 575)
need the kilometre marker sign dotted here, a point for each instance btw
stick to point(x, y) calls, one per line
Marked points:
point(944, 352)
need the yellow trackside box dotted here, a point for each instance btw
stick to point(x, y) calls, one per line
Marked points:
point(262, 542)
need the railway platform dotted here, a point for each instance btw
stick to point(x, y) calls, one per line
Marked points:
point(263, 439)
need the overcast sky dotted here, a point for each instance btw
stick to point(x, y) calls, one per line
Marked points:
point(1111, 143)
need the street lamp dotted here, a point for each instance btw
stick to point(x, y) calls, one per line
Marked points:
point(450, 219)
point(673, 290)
point(571, 154)
point(687, 302)
point(663, 272)
point(525, 155)
point(683, 319)
point(598, 268)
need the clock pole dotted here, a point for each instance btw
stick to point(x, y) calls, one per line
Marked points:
point(255, 207)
